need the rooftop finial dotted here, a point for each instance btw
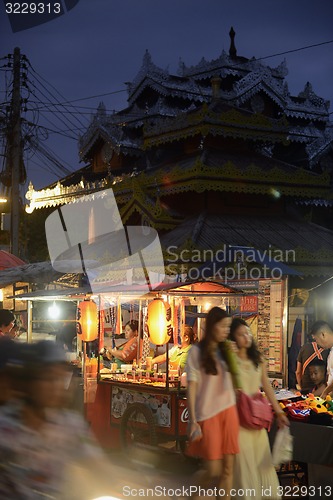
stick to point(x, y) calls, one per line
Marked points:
point(147, 59)
point(232, 50)
point(101, 110)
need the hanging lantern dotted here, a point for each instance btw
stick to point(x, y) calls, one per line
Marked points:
point(88, 320)
point(159, 322)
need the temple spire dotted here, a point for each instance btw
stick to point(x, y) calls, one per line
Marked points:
point(232, 50)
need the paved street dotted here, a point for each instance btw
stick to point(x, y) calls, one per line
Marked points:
point(165, 474)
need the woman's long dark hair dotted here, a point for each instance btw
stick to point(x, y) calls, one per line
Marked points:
point(253, 352)
point(188, 330)
point(215, 315)
point(134, 325)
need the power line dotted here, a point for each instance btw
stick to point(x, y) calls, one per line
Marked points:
point(49, 155)
point(76, 107)
point(58, 132)
point(59, 112)
point(94, 96)
point(295, 50)
point(52, 86)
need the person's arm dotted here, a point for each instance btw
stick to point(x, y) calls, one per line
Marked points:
point(282, 419)
point(298, 374)
point(128, 351)
point(327, 391)
point(159, 359)
point(117, 353)
point(193, 426)
point(192, 370)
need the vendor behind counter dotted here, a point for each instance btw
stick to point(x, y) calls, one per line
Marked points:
point(178, 354)
point(126, 352)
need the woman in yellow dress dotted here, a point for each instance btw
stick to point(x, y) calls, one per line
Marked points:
point(254, 472)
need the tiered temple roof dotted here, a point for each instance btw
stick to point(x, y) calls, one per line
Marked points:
point(210, 133)
point(247, 90)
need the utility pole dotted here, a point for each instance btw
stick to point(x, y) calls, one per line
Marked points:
point(15, 152)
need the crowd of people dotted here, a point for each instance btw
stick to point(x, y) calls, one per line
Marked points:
point(235, 458)
point(46, 449)
point(41, 439)
point(43, 445)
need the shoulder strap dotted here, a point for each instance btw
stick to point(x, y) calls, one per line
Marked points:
point(316, 354)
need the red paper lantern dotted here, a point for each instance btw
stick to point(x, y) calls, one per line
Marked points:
point(159, 321)
point(88, 320)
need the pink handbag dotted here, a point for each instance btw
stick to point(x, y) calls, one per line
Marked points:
point(255, 412)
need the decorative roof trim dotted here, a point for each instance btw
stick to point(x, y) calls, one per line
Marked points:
point(61, 195)
point(231, 123)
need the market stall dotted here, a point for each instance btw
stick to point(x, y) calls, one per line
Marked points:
point(311, 425)
point(137, 402)
point(146, 405)
point(141, 403)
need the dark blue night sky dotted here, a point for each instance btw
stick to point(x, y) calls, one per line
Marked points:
point(98, 45)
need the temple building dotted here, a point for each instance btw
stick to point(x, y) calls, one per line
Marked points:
point(220, 156)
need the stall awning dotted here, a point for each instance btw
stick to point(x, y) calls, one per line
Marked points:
point(61, 294)
point(175, 288)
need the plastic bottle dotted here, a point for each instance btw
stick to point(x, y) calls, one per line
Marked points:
point(231, 360)
point(87, 366)
point(93, 366)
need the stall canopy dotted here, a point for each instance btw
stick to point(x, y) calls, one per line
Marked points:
point(8, 260)
point(62, 294)
point(38, 272)
point(183, 288)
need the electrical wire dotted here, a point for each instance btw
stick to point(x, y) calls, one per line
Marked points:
point(53, 87)
point(51, 156)
point(60, 115)
point(42, 166)
point(58, 132)
point(313, 288)
point(49, 162)
point(95, 96)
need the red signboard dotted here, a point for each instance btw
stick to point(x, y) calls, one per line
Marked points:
point(249, 303)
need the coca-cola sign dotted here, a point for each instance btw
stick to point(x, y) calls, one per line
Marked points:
point(184, 415)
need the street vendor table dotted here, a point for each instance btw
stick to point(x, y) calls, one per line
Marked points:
point(313, 447)
point(313, 444)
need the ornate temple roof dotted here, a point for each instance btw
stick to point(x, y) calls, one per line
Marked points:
point(249, 87)
point(225, 124)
